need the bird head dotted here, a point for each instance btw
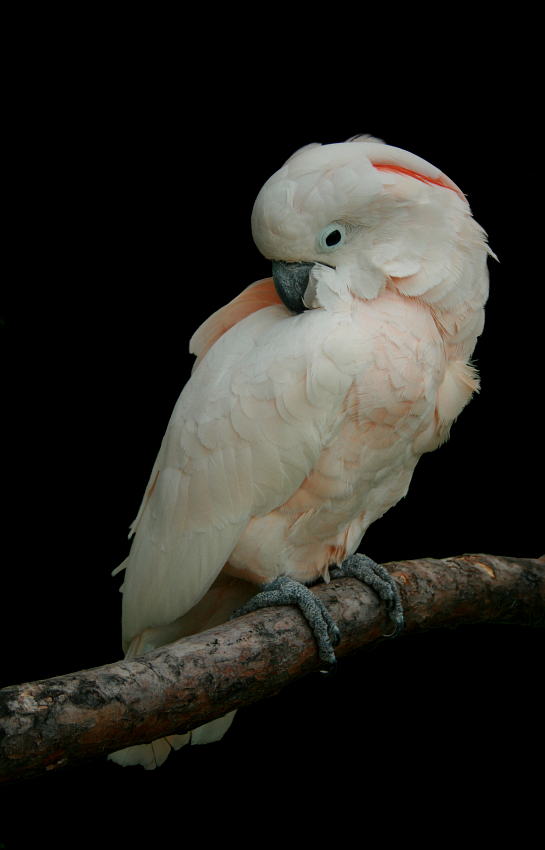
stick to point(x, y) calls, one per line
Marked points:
point(347, 220)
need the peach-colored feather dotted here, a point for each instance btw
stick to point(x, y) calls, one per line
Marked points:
point(260, 294)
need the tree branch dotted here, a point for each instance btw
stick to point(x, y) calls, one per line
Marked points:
point(71, 719)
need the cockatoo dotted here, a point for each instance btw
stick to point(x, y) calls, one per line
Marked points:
point(313, 395)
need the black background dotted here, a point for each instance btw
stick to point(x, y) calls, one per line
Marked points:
point(130, 225)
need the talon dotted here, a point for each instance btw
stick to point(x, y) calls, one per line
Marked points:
point(398, 629)
point(330, 670)
point(336, 636)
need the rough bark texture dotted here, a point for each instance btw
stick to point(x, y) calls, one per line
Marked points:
point(67, 720)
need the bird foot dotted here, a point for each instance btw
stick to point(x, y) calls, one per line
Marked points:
point(287, 591)
point(377, 577)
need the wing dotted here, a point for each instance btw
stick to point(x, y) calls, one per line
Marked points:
point(260, 294)
point(246, 431)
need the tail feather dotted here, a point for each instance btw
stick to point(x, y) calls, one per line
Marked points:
point(226, 594)
point(153, 755)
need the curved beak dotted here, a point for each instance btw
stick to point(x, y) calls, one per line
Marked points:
point(291, 281)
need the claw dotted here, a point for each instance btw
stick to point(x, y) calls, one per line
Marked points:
point(330, 670)
point(398, 629)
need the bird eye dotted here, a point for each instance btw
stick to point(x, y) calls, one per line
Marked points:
point(331, 237)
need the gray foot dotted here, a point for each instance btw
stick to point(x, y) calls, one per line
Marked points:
point(377, 577)
point(286, 591)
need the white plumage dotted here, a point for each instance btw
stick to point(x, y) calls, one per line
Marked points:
point(296, 432)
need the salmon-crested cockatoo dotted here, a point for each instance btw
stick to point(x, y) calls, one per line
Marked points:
point(313, 395)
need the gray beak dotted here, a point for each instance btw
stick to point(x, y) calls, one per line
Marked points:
point(291, 281)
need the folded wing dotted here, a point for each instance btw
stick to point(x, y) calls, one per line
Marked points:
point(246, 431)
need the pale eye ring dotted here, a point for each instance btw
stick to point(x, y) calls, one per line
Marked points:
point(331, 237)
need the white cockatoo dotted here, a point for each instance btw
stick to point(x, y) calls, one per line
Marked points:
point(313, 395)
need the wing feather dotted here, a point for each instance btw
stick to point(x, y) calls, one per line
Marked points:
point(246, 431)
point(260, 294)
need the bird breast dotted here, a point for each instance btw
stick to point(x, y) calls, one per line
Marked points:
point(388, 419)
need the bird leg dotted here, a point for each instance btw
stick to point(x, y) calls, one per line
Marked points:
point(286, 591)
point(377, 577)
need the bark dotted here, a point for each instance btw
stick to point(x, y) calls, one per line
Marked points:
point(60, 722)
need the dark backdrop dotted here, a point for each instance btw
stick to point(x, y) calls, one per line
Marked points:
point(130, 225)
